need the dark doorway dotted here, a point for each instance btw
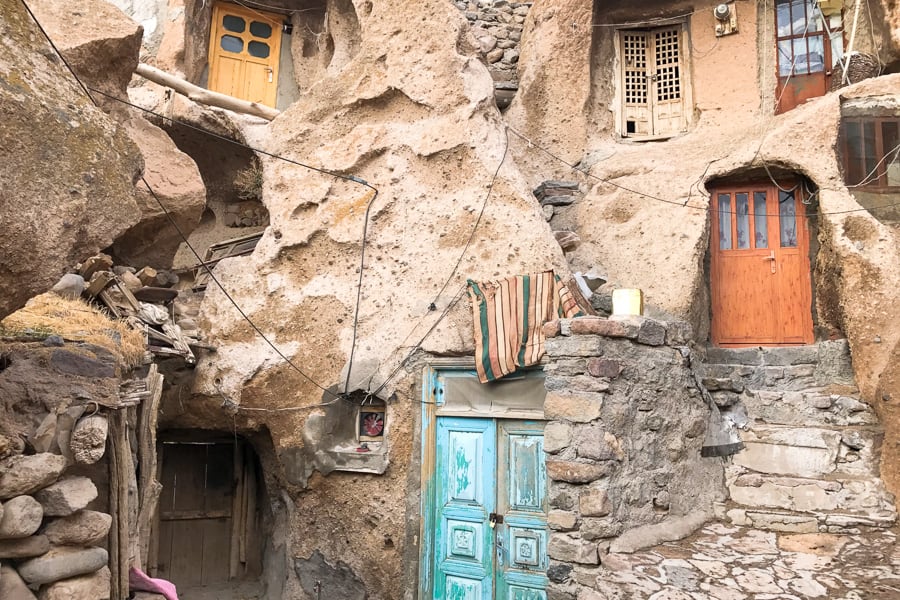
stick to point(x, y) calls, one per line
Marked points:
point(208, 529)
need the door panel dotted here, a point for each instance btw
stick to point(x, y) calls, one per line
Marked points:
point(521, 539)
point(491, 506)
point(466, 492)
point(760, 274)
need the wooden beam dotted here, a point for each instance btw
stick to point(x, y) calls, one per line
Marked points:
point(204, 96)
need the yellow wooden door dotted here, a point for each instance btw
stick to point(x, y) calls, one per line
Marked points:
point(244, 48)
point(760, 274)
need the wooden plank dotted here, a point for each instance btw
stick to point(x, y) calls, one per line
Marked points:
point(187, 553)
point(98, 262)
point(99, 282)
point(194, 515)
point(150, 487)
point(234, 554)
point(216, 538)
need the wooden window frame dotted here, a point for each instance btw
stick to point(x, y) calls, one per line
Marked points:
point(684, 69)
point(879, 180)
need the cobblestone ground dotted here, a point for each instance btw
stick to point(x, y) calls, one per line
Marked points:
point(724, 562)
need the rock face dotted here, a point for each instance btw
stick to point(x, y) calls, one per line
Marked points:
point(21, 517)
point(26, 474)
point(175, 180)
point(56, 150)
point(84, 528)
point(66, 496)
point(98, 40)
point(62, 563)
point(94, 586)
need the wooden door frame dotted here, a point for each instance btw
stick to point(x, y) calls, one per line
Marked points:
point(803, 243)
point(431, 405)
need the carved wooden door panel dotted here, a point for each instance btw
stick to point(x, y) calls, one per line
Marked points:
point(491, 510)
point(760, 274)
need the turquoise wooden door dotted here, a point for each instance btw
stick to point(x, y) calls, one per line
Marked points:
point(490, 519)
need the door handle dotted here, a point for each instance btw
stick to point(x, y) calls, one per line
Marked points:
point(771, 257)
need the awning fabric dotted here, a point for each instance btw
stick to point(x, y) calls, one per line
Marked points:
point(508, 316)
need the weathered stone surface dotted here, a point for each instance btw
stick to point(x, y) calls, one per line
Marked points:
point(558, 572)
point(557, 436)
point(594, 503)
point(69, 286)
point(674, 528)
point(790, 451)
point(21, 517)
point(652, 332)
point(76, 363)
point(551, 329)
point(600, 326)
point(84, 528)
point(94, 586)
point(594, 442)
point(604, 367)
point(581, 345)
point(66, 496)
point(97, 39)
point(176, 181)
point(11, 585)
point(575, 472)
point(25, 474)
point(24, 547)
point(596, 529)
point(561, 520)
point(88, 178)
point(582, 407)
point(564, 548)
point(62, 563)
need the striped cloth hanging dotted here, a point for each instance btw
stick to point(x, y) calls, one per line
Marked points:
point(508, 316)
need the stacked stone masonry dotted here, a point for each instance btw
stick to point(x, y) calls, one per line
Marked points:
point(626, 422)
point(497, 26)
point(812, 447)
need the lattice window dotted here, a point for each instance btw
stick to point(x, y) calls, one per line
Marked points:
point(668, 70)
point(635, 71)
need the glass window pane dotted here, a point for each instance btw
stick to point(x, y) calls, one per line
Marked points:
point(233, 23)
point(787, 216)
point(260, 30)
point(742, 208)
point(801, 58)
point(816, 57)
point(890, 138)
point(798, 15)
point(854, 159)
point(783, 19)
point(785, 57)
point(870, 154)
point(724, 221)
point(258, 49)
point(760, 223)
point(230, 43)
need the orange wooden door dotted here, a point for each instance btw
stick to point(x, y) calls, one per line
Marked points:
point(760, 275)
point(244, 49)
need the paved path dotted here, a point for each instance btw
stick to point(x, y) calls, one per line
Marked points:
point(724, 562)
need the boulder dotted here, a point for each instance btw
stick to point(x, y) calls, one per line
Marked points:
point(99, 41)
point(84, 528)
point(24, 547)
point(57, 150)
point(21, 517)
point(94, 586)
point(62, 563)
point(176, 181)
point(11, 585)
point(66, 496)
point(25, 474)
point(69, 285)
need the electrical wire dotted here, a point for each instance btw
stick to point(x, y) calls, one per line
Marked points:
point(873, 174)
point(362, 265)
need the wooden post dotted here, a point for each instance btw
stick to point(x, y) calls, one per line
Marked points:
point(203, 96)
point(149, 487)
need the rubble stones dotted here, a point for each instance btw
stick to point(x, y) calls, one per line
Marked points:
point(94, 586)
point(497, 26)
point(22, 516)
point(70, 285)
point(25, 474)
point(66, 496)
point(24, 547)
point(84, 528)
point(11, 585)
point(575, 472)
point(61, 563)
point(581, 407)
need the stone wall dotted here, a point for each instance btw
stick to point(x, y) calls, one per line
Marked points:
point(497, 25)
point(626, 422)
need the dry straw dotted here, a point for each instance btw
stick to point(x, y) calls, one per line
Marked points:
point(74, 320)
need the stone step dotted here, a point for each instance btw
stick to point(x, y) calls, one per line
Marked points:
point(810, 452)
point(826, 522)
point(821, 406)
point(860, 496)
